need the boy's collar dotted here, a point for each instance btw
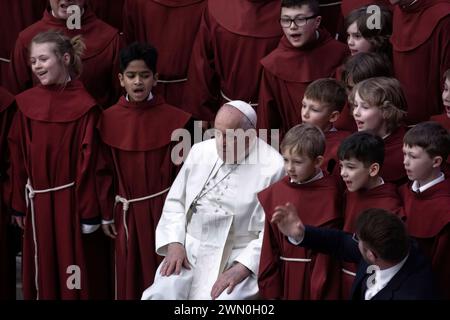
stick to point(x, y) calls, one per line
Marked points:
point(150, 97)
point(416, 187)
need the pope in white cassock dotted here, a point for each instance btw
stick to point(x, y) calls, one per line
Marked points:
point(211, 228)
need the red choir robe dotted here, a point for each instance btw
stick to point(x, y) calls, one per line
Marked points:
point(7, 254)
point(345, 121)
point(348, 6)
point(442, 119)
point(233, 36)
point(428, 221)
point(100, 60)
point(333, 140)
point(52, 143)
point(287, 73)
point(109, 11)
point(393, 169)
point(176, 20)
point(383, 197)
point(16, 16)
point(142, 167)
point(421, 55)
point(294, 280)
point(332, 18)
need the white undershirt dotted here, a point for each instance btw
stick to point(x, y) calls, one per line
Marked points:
point(150, 97)
point(417, 188)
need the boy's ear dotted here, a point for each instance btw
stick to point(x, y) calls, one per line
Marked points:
point(156, 77)
point(122, 84)
point(437, 161)
point(66, 59)
point(317, 21)
point(318, 161)
point(374, 169)
point(334, 116)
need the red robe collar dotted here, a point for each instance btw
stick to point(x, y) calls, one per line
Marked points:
point(307, 63)
point(257, 18)
point(54, 104)
point(97, 35)
point(141, 126)
point(177, 3)
point(412, 26)
point(6, 99)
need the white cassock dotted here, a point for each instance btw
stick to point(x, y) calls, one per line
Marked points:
point(225, 226)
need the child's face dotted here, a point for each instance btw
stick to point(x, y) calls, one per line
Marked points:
point(355, 41)
point(59, 7)
point(355, 175)
point(418, 163)
point(138, 80)
point(300, 167)
point(46, 65)
point(368, 117)
point(318, 114)
point(298, 36)
point(446, 96)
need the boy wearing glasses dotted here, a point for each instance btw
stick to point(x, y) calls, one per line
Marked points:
point(305, 53)
point(361, 157)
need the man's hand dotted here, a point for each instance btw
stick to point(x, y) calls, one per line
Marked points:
point(287, 220)
point(20, 221)
point(229, 279)
point(176, 259)
point(110, 230)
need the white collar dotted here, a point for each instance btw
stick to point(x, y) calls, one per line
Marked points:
point(382, 278)
point(416, 188)
point(150, 97)
point(318, 176)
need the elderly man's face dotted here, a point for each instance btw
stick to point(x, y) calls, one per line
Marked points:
point(232, 142)
point(59, 7)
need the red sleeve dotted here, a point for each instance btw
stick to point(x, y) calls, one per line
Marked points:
point(270, 279)
point(17, 172)
point(20, 77)
point(267, 110)
point(201, 95)
point(104, 174)
point(441, 260)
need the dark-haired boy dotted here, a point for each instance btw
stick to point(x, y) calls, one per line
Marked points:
point(137, 131)
point(361, 157)
point(427, 197)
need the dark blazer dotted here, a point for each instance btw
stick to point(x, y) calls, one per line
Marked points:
point(414, 281)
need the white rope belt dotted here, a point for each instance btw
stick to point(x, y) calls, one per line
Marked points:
point(295, 259)
point(5, 60)
point(348, 272)
point(229, 100)
point(173, 81)
point(126, 205)
point(330, 4)
point(30, 193)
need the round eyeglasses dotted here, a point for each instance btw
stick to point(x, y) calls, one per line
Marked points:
point(298, 21)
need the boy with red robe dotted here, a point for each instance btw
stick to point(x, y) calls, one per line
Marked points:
point(285, 271)
point(54, 154)
point(321, 106)
point(178, 21)
point(295, 64)
point(7, 254)
point(379, 105)
point(233, 36)
point(16, 16)
point(99, 60)
point(421, 54)
point(361, 157)
point(427, 197)
point(137, 132)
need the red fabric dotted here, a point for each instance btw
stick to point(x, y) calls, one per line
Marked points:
point(332, 18)
point(345, 121)
point(109, 11)
point(348, 6)
point(393, 169)
point(7, 257)
point(226, 53)
point(428, 220)
point(100, 60)
point(53, 154)
point(282, 90)
point(383, 197)
point(443, 119)
point(421, 55)
point(318, 279)
point(333, 140)
point(141, 167)
point(175, 20)
point(16, 15)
